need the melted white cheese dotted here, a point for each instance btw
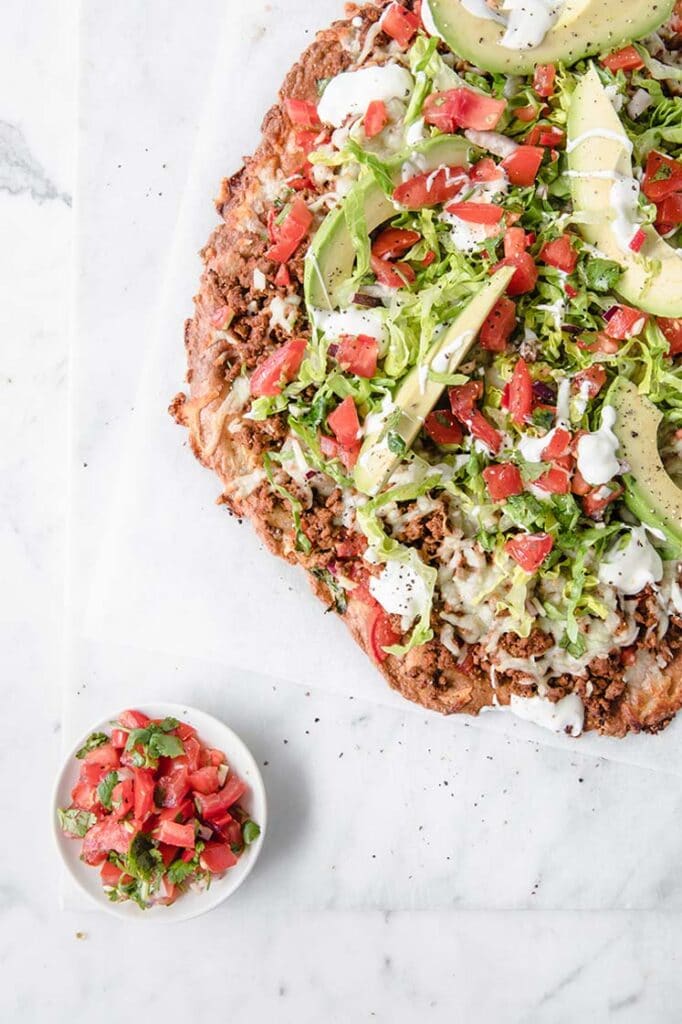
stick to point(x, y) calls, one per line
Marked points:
point(283, 312)
point(596, 454)
point(351, 92)
point(567, 715)
point(399, 591)
point(631, 568)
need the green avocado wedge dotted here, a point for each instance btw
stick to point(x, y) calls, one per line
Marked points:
point(330, 258)
point(385, 446)
point(650, 493)
point(652, 277)
point(583, 28)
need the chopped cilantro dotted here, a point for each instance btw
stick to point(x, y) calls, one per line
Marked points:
point(96, 739)
point(75, 822)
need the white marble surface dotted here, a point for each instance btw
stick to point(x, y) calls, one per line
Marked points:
point(355, 912)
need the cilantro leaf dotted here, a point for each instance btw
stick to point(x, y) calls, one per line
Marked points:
point(75, 822)
point(106, 788)
point(180, 870)
point(250, 831)
point(600, 275)
point(96, 739)
point(143, 860)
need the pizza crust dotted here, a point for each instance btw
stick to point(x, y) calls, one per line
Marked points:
point(428, 675)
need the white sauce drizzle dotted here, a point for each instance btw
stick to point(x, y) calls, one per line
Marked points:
point(599, 133)
point(353, 320)
point(624, 198)
point(596, 452)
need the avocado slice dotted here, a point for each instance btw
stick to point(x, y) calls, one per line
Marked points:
point(385, 445)
point(581, 29)
point(650, 493)
point(652, 278)
point(329, 261)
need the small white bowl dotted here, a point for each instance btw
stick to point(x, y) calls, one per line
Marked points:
point(190, 904)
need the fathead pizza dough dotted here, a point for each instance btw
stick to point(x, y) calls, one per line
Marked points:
point(435, 354)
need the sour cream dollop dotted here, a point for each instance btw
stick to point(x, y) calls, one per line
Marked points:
point(351, 92)
point(634, 566)
point(399, 591)
point(353, 320)
point(597, 460)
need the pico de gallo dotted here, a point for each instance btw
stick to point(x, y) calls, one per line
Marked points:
point(156, 810)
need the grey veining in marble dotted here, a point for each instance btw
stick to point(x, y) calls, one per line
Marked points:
point(21, 171)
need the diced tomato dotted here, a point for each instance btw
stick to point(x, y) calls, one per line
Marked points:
point(594, 378)
point(598, 343)
point(560, 253)
point(377, 625)
point(543, 80)
point(84, 796)
point(105, 757)
point(498, 325)
point(570, 290)
point(443, 428)
point(110, 874)
point(144, 794)
point(291, 232)
point(529, 550)
point(662, 177)
point(556, 481)
point(394, 242)
point(185, 732)
point(672, 330)
point(205, 780)
point(558, 446)
point(463, 398)
point(476, 213)
point(168, 853)
point(400, 24)
point(429, 258)
point(302, 113)
point(123, 798)
point(278, 368)
point(625, 322)
point(376, 118)
point(119, 738)
point(217, 857)
point(670, 211)
point(523, 164)
point(174, 834)
point(579, 484)
point(526, 114)
point(306, 140)
point(546, 135)
point(90, 773)
point(182, 812)
point(134, 720)
point(233, 790)
point(597, 500)
point(463, 108)
point(525, 274)
point(485, 170)
point(638, 239)
point(103, 837)
point(174, 786)
point(228, 829)
point(627, 59)
point(212, 804)
point(392, 275)
point(430, 189)
point(209, 755)
point(192, 752)
point(358, 354)
point(515, 241)
point(344, 422)
point(520, 393)
point(503, 481)
point(283, 277)
point(329, 447)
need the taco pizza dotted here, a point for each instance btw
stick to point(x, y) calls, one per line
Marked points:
point(435, 352)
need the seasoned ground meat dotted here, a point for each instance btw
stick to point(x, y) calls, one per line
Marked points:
point(526, 647)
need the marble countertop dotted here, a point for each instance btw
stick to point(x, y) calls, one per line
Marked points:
point(412, 870)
